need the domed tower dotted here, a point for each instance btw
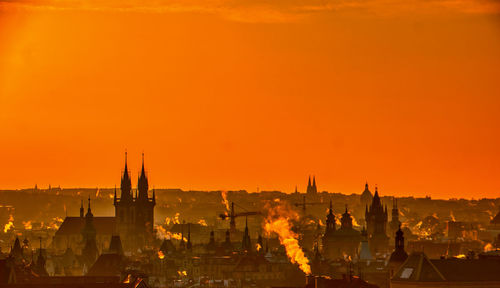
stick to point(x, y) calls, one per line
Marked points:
point(330, 221)
point(329, 236)
point(366, 197)
point(399, 254)
point(346, 220)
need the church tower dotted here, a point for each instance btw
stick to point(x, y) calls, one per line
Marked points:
point(135, 215)
point(366, 197)
point(144, 207)
point(311, 188)
point(399, 254)
point(89, 251)
point(376, 220)
point(125, 209)
point(395, 223)
point(329, 236)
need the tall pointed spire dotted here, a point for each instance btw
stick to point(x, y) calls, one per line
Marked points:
point(143, 162)
point(142, 184)
point(314, 189)
point(126, 184)
point(246, 243)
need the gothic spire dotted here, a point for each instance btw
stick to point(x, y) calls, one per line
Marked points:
point(126, 184)
point(142, 184)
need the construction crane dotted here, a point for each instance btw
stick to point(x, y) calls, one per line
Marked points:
point(304, 204)
point(232, 216)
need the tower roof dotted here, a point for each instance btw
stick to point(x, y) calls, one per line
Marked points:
point(126, 183)
point(142, 183)
point(115, 246)
point(366, 196)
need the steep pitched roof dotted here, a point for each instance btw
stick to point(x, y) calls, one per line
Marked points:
point(74, 225)
point(418, 268)
point(109, 264)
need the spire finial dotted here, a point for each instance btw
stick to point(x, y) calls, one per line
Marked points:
point(346, 208)
point(142, 161)
point(89, 204)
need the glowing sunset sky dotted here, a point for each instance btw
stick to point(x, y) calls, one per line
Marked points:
point(226, 94)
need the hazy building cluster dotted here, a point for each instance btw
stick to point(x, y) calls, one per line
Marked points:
point(306, 239)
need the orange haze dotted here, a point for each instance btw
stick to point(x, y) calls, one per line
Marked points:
point(227, 94)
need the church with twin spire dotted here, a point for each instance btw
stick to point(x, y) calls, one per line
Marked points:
point(135, 214)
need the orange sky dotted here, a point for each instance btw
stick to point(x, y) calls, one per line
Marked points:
point(226, 94)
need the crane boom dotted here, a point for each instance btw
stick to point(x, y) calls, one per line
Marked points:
point(232, 216)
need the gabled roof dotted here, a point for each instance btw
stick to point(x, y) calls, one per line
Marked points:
point(418, 268)
point(109, 264)
point(74, 225)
